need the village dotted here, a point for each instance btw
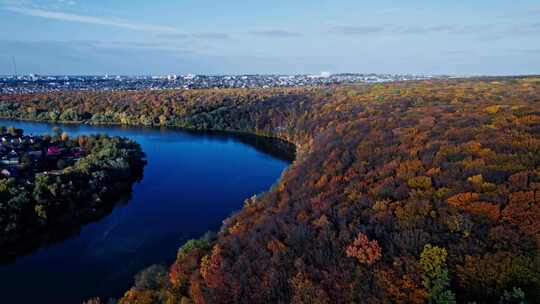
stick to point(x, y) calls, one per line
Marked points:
point(23, 156)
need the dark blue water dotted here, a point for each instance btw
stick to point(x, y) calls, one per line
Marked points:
point(191, 184)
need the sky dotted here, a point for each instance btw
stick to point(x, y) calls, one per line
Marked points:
point(135, 37)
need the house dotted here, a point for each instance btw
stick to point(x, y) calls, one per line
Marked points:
point(9, 162)
point(54, 172)
point(5, 173)
point(77, 152)
point(36, 153)
point(54, 151)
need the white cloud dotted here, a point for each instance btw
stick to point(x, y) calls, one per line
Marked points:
point(93, 20)
point(275, 33)
point(142, 46)
point(68, 2)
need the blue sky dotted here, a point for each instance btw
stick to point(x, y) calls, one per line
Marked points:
point(279, 36)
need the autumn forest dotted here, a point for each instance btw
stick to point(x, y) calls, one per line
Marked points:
point(405, 192)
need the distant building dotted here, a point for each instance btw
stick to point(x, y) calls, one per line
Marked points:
point(54, 151)
point(5, 173)
point(325, 74)
point(11, 85)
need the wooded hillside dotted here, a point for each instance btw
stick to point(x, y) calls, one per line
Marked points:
point(403, 192)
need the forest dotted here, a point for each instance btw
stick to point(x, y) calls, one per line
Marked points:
point(60, 181)
point(406, 192)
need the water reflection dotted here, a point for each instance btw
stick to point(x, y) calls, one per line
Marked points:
point(191, 183)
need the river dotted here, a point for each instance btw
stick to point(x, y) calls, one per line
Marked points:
point(192, 182)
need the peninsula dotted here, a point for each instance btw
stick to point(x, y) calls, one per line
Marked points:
point(47, 181)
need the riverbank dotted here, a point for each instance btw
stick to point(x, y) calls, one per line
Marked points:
point(57, 181)
point(193, 180)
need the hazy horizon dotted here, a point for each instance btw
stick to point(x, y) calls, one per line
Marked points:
point(82, 37)
point(266, 74)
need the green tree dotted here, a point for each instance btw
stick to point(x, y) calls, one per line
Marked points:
point(516, 296)
point(435, 275)
point(57, 131)
point(152, 277)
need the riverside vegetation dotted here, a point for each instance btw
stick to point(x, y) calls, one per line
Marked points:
point(51, 182)
point(414, 192)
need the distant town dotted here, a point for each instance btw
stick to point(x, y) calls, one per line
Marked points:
point(40, 84)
